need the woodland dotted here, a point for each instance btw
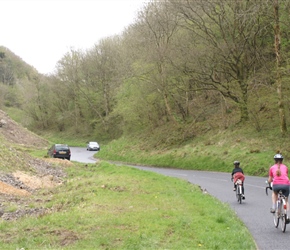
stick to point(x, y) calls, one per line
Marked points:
point(181, 69)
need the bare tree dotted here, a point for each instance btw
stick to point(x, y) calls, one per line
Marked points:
point(230, 39)
point(154, 30)
point(277, 44)
point(70, 77)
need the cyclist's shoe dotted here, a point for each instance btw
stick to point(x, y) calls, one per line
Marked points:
point(287, 220)
point(243, 197)
point(234, 189)
point(272, 210)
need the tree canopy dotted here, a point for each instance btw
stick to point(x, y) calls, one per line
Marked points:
point(183, 66)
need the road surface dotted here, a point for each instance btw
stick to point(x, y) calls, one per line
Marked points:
point(82, 155)
point(254, 211)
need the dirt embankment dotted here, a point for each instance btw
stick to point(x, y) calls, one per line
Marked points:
point(15, 133)
point(15, 187)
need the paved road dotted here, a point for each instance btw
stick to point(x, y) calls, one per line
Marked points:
point(82, 155)
point(254, 211)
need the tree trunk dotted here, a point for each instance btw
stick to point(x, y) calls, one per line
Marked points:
point(283, 126)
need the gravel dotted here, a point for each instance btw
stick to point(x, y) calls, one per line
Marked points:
point(17, 197)
point(19, 204)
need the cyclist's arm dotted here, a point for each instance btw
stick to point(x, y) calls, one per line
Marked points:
point(270, 178)
point(232, 173)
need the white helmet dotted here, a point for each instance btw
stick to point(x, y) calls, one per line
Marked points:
point(236, 163)
point(278, 157)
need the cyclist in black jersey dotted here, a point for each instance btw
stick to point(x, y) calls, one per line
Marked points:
point(238, 173)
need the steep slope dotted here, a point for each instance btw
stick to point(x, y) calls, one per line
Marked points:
point(15, 133)
point(20, 173)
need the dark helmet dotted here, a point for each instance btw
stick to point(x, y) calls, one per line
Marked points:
point(278, 157)
point(236, 163)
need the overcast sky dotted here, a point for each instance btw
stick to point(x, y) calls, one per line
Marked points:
point(42, 31)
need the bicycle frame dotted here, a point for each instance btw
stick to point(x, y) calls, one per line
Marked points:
point(239, 190)
point(281, 210)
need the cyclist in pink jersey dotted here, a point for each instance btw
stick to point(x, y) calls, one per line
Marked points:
point(278, 175)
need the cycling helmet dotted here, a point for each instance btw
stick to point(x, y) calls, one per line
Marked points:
point(278, 157)
point(236, 163)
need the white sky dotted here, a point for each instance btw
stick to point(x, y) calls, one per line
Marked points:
point(42, 31)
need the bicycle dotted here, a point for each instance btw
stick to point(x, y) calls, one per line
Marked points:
point(239, 190)
point(280, 211)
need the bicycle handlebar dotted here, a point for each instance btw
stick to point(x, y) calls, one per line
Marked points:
point(269, 187)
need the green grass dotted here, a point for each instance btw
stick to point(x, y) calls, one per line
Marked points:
point(108, 207)
point(72, 139)
point(12, 157)
point(213, 152)
point(117, 207)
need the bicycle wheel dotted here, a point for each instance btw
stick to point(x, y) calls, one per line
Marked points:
point(283, 216)
point(283, 222)
point(238, 195)
point(276, 215)
point(239, 198)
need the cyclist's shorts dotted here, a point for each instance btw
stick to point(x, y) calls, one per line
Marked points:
point(284, 188)
point(240, 176)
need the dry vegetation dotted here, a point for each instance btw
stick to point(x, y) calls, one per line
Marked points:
point(22, 174)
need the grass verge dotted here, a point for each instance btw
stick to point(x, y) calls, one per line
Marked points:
point(117, 207)
point(212, 153)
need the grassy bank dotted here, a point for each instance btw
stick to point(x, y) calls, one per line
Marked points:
point(116, 207)
point(146, 211)
point(212, 152)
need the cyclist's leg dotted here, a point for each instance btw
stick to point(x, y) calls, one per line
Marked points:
point(286, 193)
point(243, 191)
point(285, 190)
point(274, 198)
point(287, 211)
point(234, 180)
point(242, 178)
point(287, 203)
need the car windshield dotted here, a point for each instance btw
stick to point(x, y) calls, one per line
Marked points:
point(61, 147)
point(94, 143)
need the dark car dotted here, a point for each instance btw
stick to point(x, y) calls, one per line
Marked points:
point(93, 146)
point(59, 151)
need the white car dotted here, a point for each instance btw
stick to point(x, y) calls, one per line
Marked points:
point(93, 146)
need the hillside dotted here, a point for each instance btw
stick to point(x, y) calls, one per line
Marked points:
point(15, 133)
point(21, 174)
point(14, 67)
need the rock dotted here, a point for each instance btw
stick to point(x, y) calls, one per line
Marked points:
point(2, 122)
